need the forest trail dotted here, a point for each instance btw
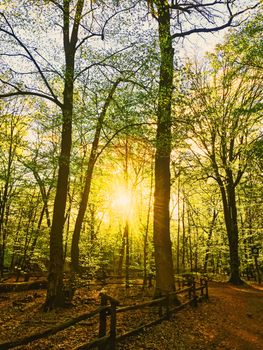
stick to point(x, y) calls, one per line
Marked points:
point(232, 319)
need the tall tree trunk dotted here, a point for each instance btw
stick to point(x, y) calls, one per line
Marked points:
point(196, 249)
point(88, 179)
point(183, 236)
point(145, 238)
point(178, 229)
point(251, 244)
point(127, 254)
point(55, 296)
point(93, 233)
point(208, 244)
point(68, 217)
point(233, 235)
point(3, 201)
point(126, 228)
point(189, 233)
point(230, 216)
point(161, 226)
point(36, 235)
point(121, 255)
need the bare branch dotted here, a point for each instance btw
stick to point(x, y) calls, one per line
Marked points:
point(30, 57)
point(20, 92)
point(102, 61)
point(77, 19)
point(118, 132)
point(91, 35)
point(29, 93)
point(228, 23)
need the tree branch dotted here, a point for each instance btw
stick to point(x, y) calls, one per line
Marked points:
point(30, 57)
point(216, 28)
point(102, 61)
point(20, 92)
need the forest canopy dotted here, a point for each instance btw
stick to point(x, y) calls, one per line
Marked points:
point(119, 155)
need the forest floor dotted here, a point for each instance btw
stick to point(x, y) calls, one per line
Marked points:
point(232, 318)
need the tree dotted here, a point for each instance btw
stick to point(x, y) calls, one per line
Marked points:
point(245, 44)
point(88, 179)
point(43, 68)
point(12, 133)
point(41, 161)
point(174, 22)
point(224, 108)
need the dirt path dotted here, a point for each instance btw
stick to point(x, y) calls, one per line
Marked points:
point(231, 319)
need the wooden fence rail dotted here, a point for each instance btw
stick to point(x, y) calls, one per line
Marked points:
point(50, 331)
point(166, 309)
point(109, 307)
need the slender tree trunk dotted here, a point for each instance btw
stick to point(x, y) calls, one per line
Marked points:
point(126, 228)
point(30, 227)
point(161, 226)
point(183, 236)
point(36, 236)
point(190, 239)
point(15, 243)
point(93, 233)
point(3, 202)
point(208, 244)
point(250, 244)
point(178, 228)
point(67, 233)
point(127, 254)
point(88, 179)
point(121, 255)
point(196, 248)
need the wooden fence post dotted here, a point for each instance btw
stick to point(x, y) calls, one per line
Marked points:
point(190, 285)
point(113, 323)
point(202, 286)
point(206, 288)
point(194, 293)
point(103, 319)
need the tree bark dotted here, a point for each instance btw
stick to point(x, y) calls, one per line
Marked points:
point(183, 235)
point(55, 296)
point(208, 244)
point(4, 212)
point(161, 226)
point(146, 232)
point(178, 228)
point(121, 255)
point(230, 216)
point(127, 255)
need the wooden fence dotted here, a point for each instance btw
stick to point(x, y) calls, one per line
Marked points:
point(109, 308)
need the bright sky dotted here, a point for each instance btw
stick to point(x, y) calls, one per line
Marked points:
point(197, 45)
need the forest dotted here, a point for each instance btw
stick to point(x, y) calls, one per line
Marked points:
point(122, 153)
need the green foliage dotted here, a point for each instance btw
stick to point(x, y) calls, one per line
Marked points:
point(215, 113)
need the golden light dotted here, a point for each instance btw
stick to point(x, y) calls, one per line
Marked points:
point(122, 201)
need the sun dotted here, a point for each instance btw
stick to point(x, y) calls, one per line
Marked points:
point(122, 201)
